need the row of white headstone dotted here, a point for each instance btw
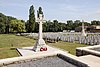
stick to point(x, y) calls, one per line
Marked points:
point(91, 39)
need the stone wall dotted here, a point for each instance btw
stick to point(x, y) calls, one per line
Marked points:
point(73, 61)
point(88, 50)
point(80, 52)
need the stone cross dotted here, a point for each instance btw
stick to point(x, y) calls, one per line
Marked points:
point(40, 44)
point(83, 30)
point(40, 21)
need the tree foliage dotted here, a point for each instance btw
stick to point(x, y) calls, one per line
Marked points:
point(2, 27)
point(31, 22)
point(4, 23)
point(17, 26)
point(40, 10)
point(69, 25)
point(95, 22)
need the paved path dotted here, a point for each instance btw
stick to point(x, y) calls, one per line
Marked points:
point(26, 51)
point(92, 61)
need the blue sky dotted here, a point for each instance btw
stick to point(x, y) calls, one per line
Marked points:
point(61, 10)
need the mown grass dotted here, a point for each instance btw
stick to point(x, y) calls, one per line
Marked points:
point(67, 46)
point(8, 53)
point(8, 41)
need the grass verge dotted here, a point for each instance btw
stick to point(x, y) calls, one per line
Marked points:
point(9, 41)
point(67, 46)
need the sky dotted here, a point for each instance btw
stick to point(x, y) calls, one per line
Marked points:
point(61, 10)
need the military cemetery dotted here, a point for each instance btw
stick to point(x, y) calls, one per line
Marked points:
point(40, 41)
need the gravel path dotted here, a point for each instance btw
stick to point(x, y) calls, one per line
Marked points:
point(44, 62)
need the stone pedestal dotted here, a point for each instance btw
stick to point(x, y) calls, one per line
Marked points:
point(40, 46)
point(83, 33)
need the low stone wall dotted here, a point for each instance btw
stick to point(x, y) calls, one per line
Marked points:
point(87, 50)
point(80, 52)
point(72, 60)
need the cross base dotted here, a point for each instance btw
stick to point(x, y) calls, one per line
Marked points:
point(40, 46)
point(83, 33)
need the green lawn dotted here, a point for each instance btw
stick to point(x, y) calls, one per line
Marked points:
point(7, 53)
point(9, 41)
point(70, 47)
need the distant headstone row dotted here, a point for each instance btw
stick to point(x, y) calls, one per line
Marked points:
point(91, 38)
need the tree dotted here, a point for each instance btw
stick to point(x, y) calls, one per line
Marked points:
point(62, 26)
point(76, 24)
point(87, 24)
point(2, 27)
point(45, 26)
point(31, 22)
point(95, 22)
point(40, 11)
point(7, 26)
point(36, 27)
point(27, 25)
point(69, 25)
point(17, 26)
point(5, 22)
point(50, 26)
point(2, 23)
point(56, 25)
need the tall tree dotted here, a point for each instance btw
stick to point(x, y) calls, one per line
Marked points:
point(39, 11)
point(7, 25)
point(31, 23)
point(2, 23)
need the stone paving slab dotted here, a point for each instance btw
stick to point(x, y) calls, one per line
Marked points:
point(26, 51)
point(92, 61)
